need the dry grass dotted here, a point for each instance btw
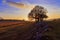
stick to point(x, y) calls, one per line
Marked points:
point(21, 30)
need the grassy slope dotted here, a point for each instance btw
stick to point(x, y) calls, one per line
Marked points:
point(56, 28)
point(22, 32)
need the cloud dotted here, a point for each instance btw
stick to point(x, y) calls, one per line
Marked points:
point(4, 1)
point(18, 5)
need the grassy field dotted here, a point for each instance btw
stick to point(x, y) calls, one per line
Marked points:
point(22, 30)
point(56, 28)
point(13, 30)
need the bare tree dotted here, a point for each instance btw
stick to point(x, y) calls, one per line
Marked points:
point(38, 13)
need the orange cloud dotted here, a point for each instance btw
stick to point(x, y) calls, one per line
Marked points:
point(20, 5)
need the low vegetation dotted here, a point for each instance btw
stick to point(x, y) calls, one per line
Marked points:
point(21, 30)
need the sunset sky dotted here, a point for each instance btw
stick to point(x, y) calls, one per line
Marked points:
point(19, 9)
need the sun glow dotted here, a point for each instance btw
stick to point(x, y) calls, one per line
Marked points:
point(20, 10)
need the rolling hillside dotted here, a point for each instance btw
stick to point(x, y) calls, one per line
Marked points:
point(23, 30)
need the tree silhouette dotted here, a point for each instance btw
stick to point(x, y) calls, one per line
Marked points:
point(38, 13)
